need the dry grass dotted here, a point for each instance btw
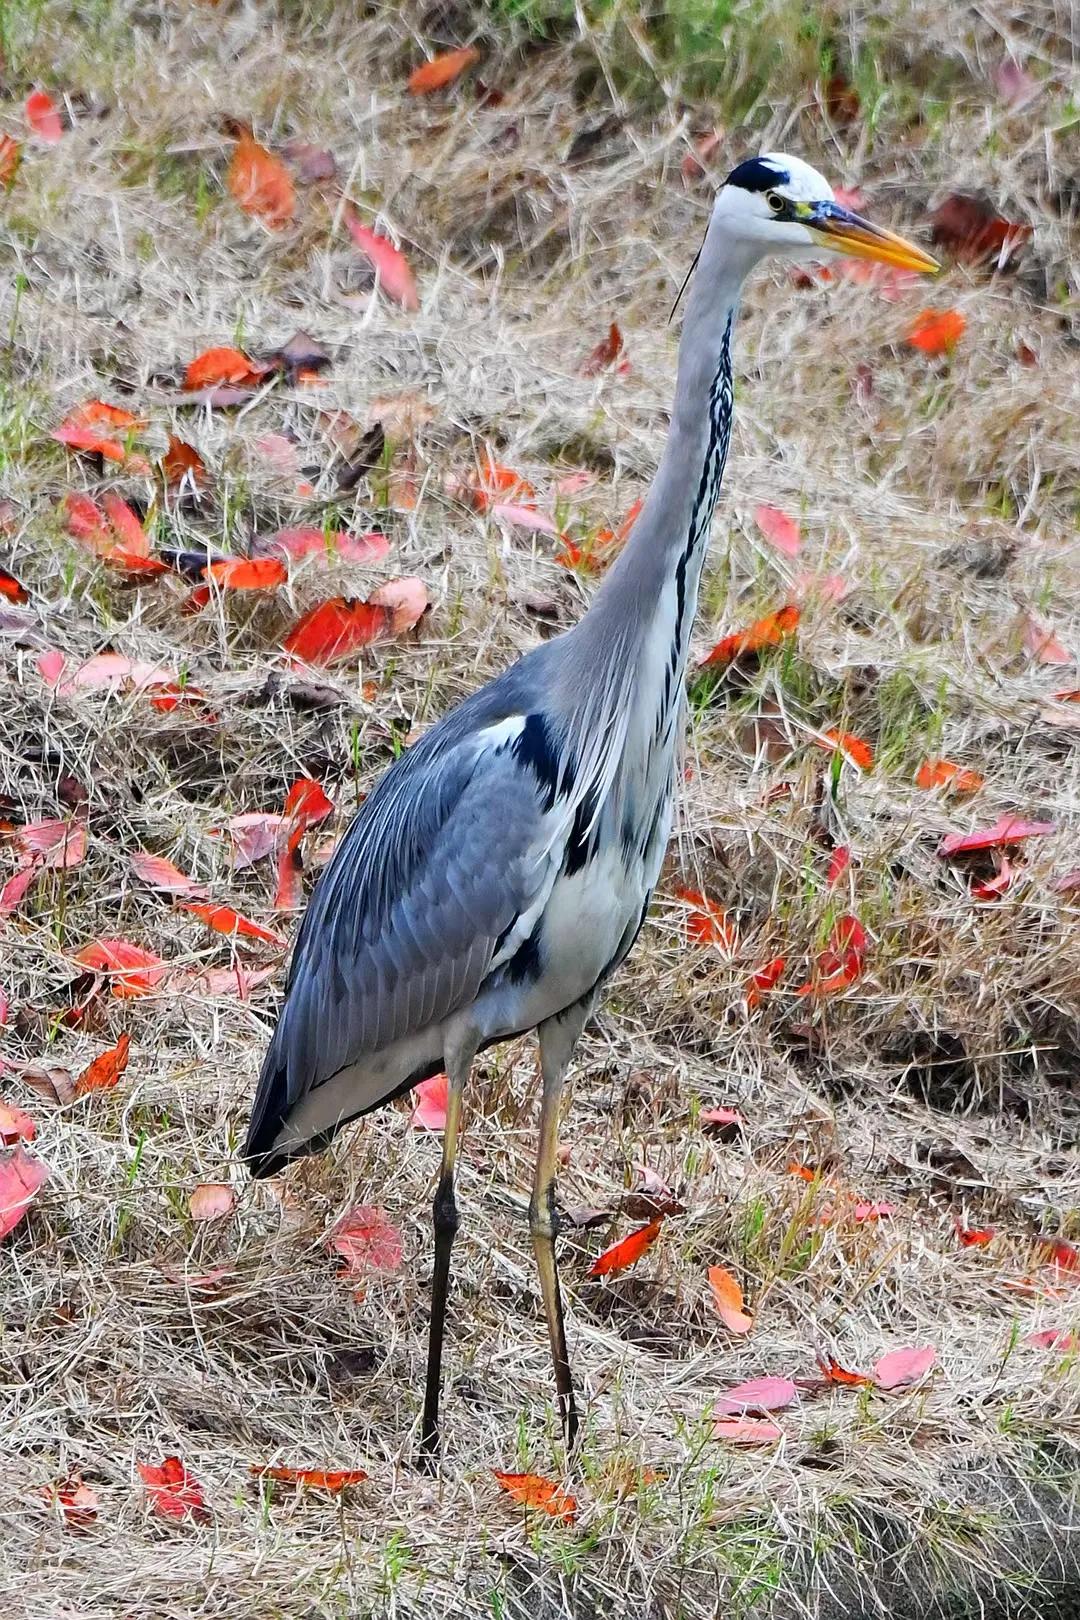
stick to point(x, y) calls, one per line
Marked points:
point(944, 1080)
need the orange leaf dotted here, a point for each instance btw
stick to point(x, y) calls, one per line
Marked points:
point(173, 1492)
point(132, 537)
point(835, 1374)
point(182, 461)
point(804, 1171)
point(43, 116)
point(84, 429)
point(534, 1491)
point(247, 573)
point(853, 748)
point(134, 971)
point(1041, 642)
point(708, 922)
point(441, 70)
point(768, 631)
point(211, 1201)
point(390, 264)
point(10, 158)
point(334, 629)
point(971, 1237)
point(937, 331)
point(728, 1298)
point(215, 367)
point(224, 920)
point(106, 1069)
point(934, 773)
point(323, 1479)
point(261, 183)
point(627, 1251)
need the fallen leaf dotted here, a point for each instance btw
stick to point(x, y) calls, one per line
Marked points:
point(247, 573)
point(707, 923)
point(10, 588)
point(253, 835)
point(726, 1122)
point(221, 981)
point(1006, 830)
point(330, 545)
point(158, 873)
point(15, 1125)
point(523, 517)
point(833, 1373)
point(933, 773)
point(746, 1431)
point(728, 1299)
point(1014, 84)
point(173, 1492)
point(1059, 1252)
point(132, 971)
point(307, 803)
point(10, 158)
point(937, 331)
point(182, 463)
point(334, 629)
point(853, 748)
point(764, 979)
point(441, 70)
point(43, 116)
point(224, 920)
point(367, 1241)
point(768, 1394)
point(993, 888)
point(839, 862)
point(605, 354)
point(211, 1201)
point(864, 1210)
point(969, 229)
point(974, 1236)
point(429, 1108)
point(805, 1172)
point(53, 843)
point(91, 427)
point(105, 1071)
point(390, 265)
point(534, 1491)
point(223, 366)
point(1067, 884)
point(901, 1367)
point(768, 631)
point(1043, 644)
point(261, 183)
point(1053, 1339)
point(20, 1178)
point(779, 530)
point(106, 671)
point(323, 1479)
point(627, 1251)
point(289, 889)
point(313, 163)
point(407, 600)
point(17, 887)
point(77, 1502)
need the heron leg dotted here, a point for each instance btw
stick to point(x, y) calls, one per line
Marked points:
point(558, 1037)
point(445, 1221)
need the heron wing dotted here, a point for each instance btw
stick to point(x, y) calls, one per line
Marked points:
point(451, 850)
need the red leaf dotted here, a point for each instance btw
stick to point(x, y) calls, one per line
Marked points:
point(971, 231)
point(224, 920)
point(833, 1373)
point(429, 1110)
point(974, 1236)
point(627, 1251)
point(1060, 1253)
point(759, 1395)
point(866, 1211)
point(53, 843)
point(211, 1201)
point(852, 747)
point(534, 1491)
point(261, 183)
point(441, 70)
point(779, 530)
point(728, 1299)
point(306, 803)
point(1006, 830)
point(132, 971)
point(994, 887)
point(323, 1479)
point(746, 1431)
point(43, 116)
point(159, 873)
point(937, 332)
point(105, 1071)
point(838, 865)
point(389, 263)
point(764, 979)
point(901, 1367)
point(214, 367)
point(173, 1492)
point(605, 354)
point(765, 632)
point(367, 1241)
point(933, 773)
point(16, 887)
point(15, 1125)
point(10, 588)
point(130, 534)
point(708, 922)
point(289, 893)
point(334, 629)
point(247, 573)
point(76, 1501)
point(20, 1178)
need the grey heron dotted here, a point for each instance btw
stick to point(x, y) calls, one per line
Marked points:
point(502, 867)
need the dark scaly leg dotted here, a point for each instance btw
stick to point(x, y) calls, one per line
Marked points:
point(445, 1222)
point(558, 1037)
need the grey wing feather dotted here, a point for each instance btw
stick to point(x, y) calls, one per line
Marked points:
point(404, 924)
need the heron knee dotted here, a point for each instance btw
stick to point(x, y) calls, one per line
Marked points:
point(444, 1210)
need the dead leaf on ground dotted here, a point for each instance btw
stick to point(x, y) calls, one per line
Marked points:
point(534, 1491)
point(105, 1070)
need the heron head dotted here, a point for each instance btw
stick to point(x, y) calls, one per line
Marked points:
point(781, 205)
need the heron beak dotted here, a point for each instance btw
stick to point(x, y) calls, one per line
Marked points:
point(844, 232)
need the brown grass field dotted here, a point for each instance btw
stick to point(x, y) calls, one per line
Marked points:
point(539, 199)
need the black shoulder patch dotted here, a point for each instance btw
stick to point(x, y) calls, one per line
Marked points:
point(757, 175)
point(532, 748)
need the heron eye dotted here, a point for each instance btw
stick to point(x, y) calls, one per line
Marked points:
point(775, 201)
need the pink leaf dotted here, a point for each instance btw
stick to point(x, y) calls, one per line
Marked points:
point(779, 530)
point(759, 1395)
point(366, 1240)
point(334, 545)
point(253, 834)
point(1014, 84)
point(15, 1126)
point(1053, 1339)
point(20, 1178)
point(872, 1212)
point(5, 1007)
point(390, 264)
point(746, 1431)
point(826, 587)
point(43, 116)
point(994, 887)
point(721, 1119)
point(211, 1201)
point(115, 672)
point(15, 889)
point(429, 1112)
point(1006, 830)
point(50, 666)
point(407, 600)
point(158, 873)
point(57, 843)
point(902, 1367)
point(524, 517)
point(1041, 642)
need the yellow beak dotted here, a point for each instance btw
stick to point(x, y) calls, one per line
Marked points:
point(844, 232)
